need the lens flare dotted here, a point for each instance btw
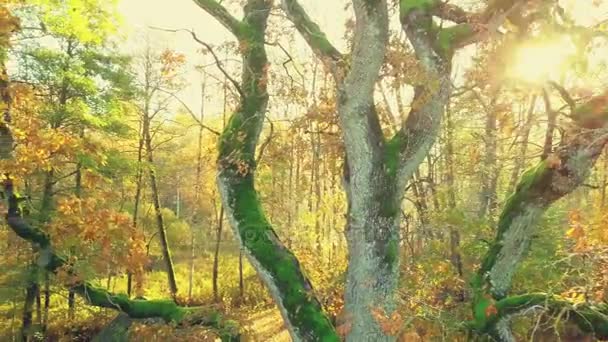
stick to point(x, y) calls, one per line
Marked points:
point(541, 61)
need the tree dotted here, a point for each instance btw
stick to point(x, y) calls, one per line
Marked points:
point(376, 168)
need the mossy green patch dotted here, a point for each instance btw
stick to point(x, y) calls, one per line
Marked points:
point(449, 37)
point(406, 6)
point(257, 236)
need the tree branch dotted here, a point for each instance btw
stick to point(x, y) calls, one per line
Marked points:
point(194, 117)
point(221, 14)
point(313, 35)
point(565, 95)
point(592, 319)
point(218, 63)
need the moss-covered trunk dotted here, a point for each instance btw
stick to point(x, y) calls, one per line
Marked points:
point(276, 265)
point(539, 187)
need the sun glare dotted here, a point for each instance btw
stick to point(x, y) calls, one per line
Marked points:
point(541, 61)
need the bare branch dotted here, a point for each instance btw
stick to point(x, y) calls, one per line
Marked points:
point(266, 142)
point(194, 117)
point(210, 49)
point(564, 94)
point(289, 60)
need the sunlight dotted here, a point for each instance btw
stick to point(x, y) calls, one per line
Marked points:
point(538, 62)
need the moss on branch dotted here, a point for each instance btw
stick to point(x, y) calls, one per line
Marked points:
point(261, 242)
point(450, 38)
point(539, 187)
point(278, 267)
point(592, 319)
point(311, 31)
point(407, 6)
point(165, 309)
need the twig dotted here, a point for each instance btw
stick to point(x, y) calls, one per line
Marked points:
point(210, 49)
point(191, 112)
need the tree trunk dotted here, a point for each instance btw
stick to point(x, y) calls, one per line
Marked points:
point(116, 331)
point(78, 194)
point(455, 257)
point(520, 158)
point(47, 302)
point(28, 310)
point(489, 170)
point(216, 253)
point(551, 124)
point(538, 188)
point(197, 188)
point(157, 209)
point(138, 187)
point(276, 265)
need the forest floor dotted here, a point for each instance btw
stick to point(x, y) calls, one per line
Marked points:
point(266, 325)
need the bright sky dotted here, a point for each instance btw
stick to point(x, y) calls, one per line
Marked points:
point(140, 15)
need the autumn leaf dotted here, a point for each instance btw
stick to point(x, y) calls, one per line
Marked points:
point(491, 310)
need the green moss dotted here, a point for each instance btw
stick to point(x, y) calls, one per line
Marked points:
point(392, 252)
point(449, 37)
point(530, 188)
point(168, 310)
point(406, 6)
point(392, 150)
point(304, 311)
point(317, 39)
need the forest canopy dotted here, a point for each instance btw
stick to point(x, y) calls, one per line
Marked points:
point(291, 170)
